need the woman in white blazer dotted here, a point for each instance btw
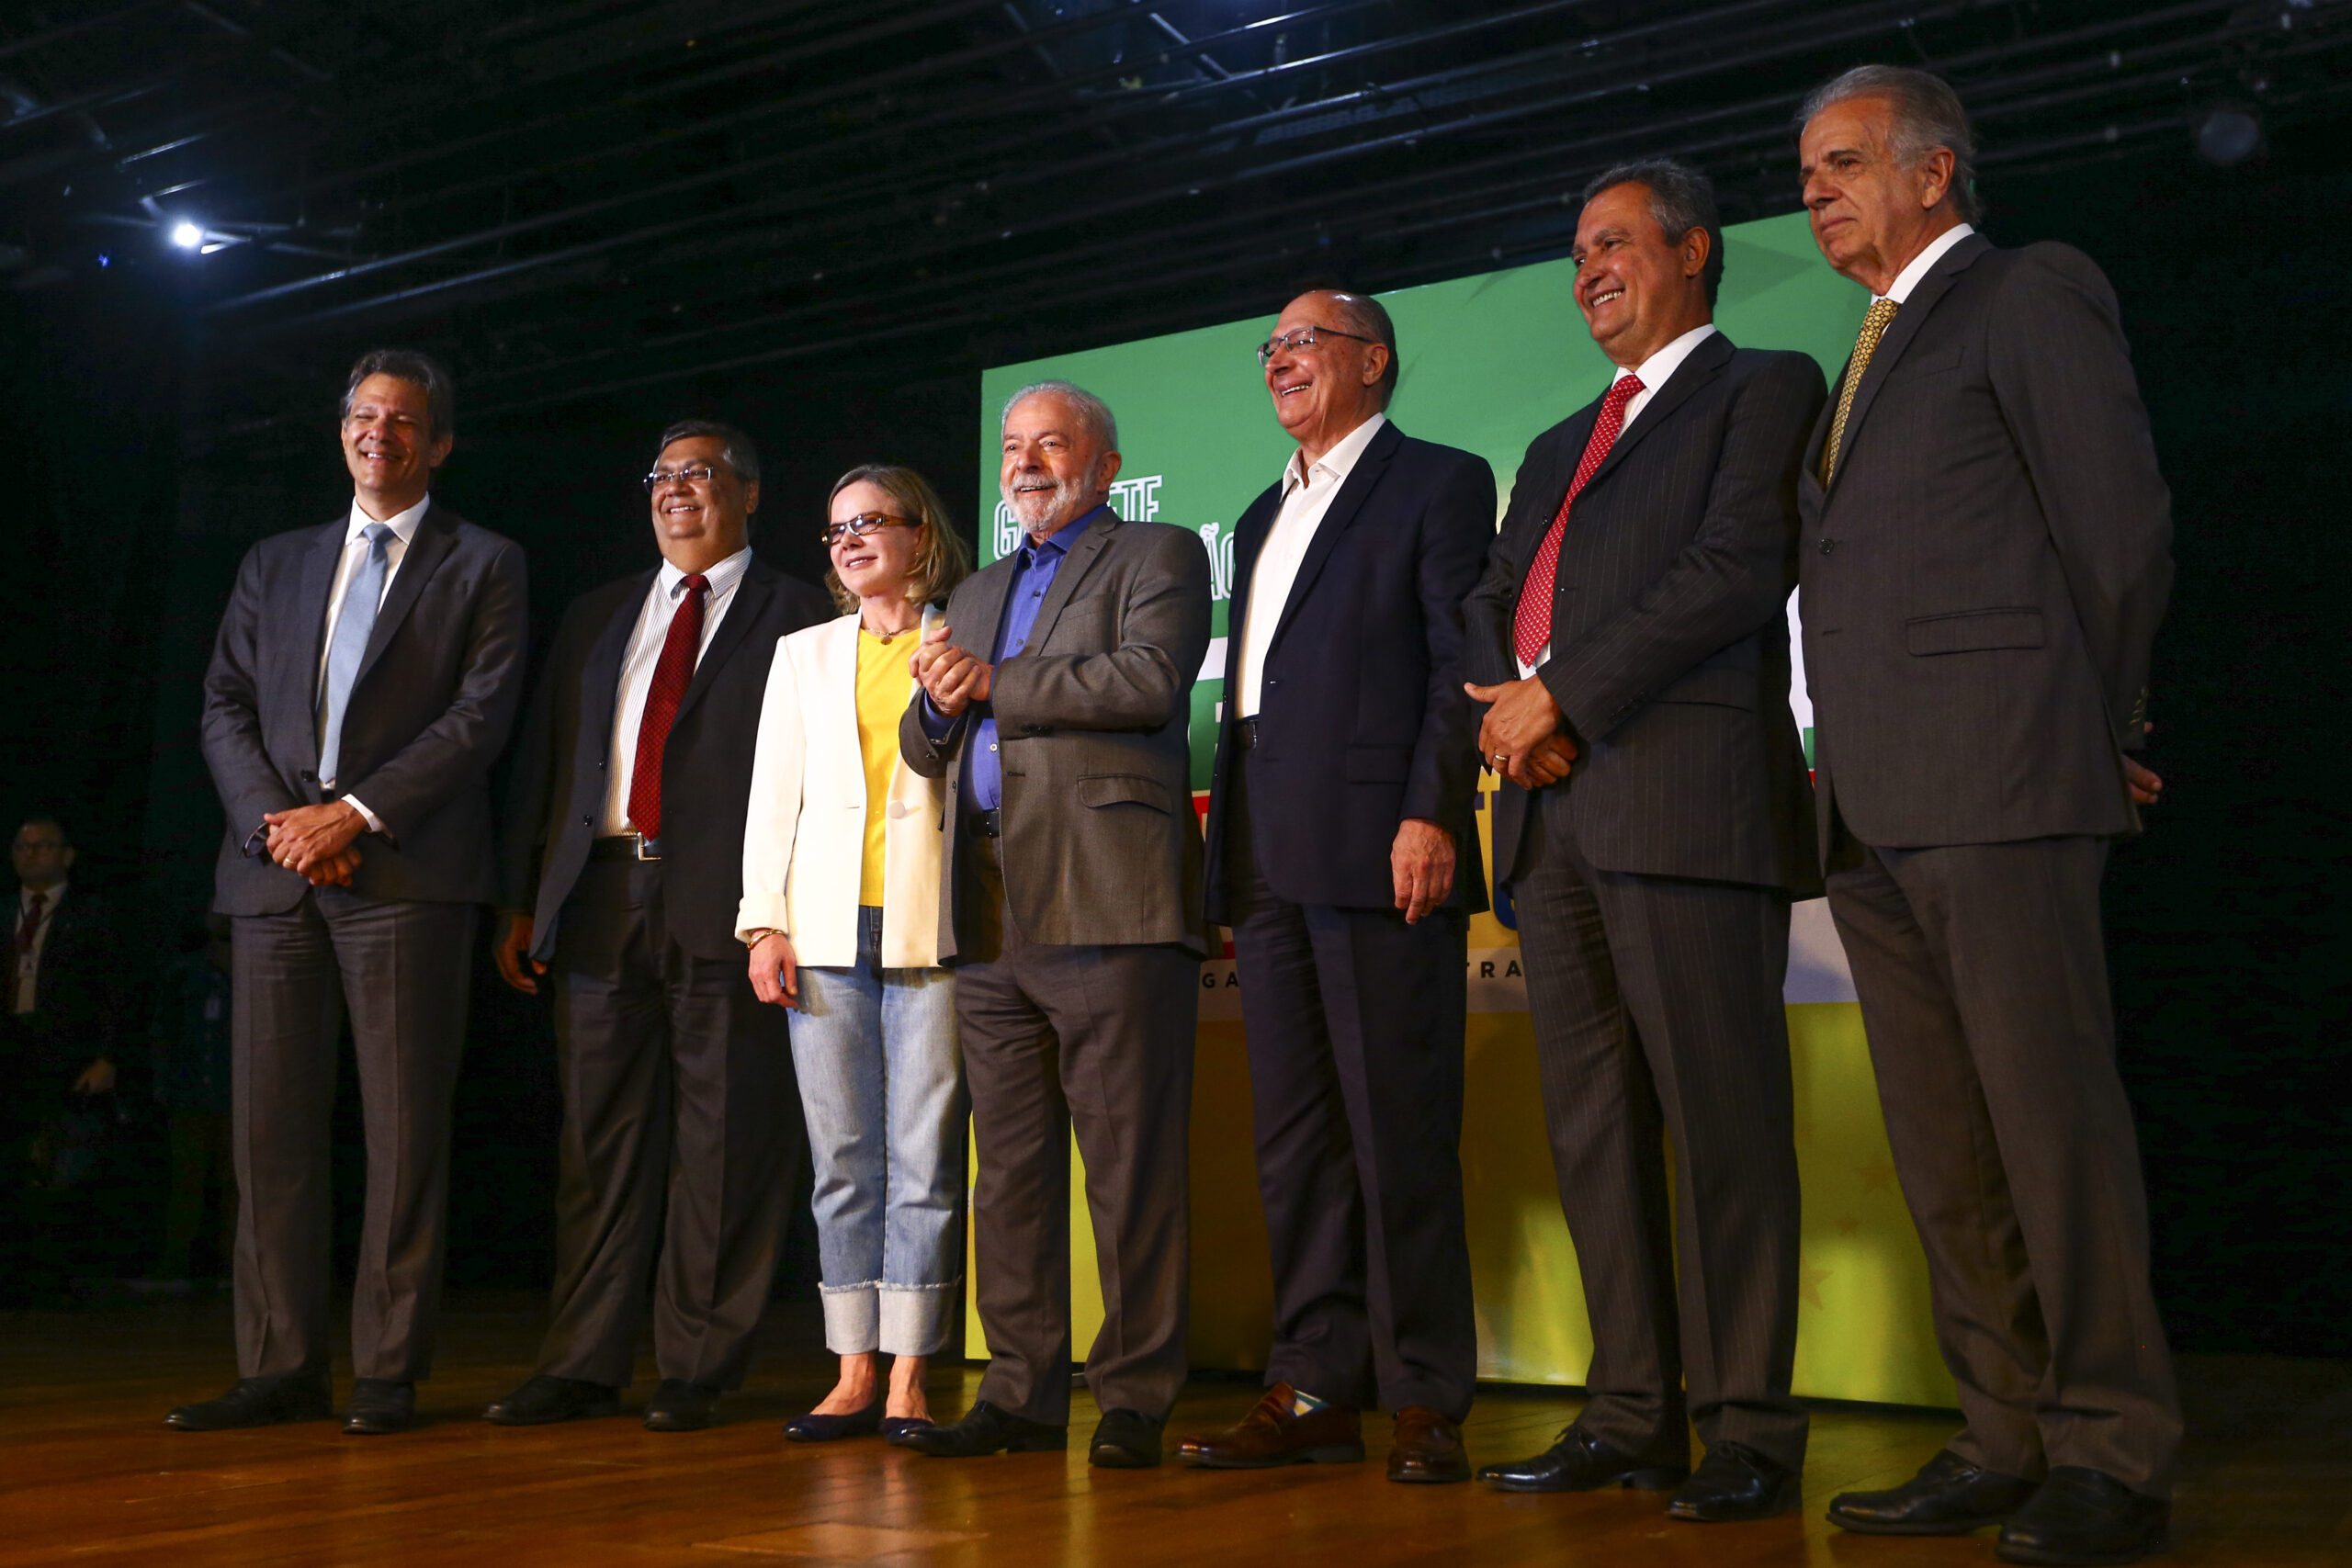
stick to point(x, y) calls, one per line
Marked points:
point(841, 910)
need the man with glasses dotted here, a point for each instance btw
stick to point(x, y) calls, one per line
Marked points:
point(622, 871)
point(1343, 851)
point(365, 679)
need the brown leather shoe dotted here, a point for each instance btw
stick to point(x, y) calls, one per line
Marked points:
point(1270, 1435)
point(1428, 1447)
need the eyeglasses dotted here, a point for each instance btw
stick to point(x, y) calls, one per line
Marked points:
point(695, 474)
point(1304, 337)
point(857, 527)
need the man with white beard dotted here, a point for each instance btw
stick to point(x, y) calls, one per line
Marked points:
point(1070, 911)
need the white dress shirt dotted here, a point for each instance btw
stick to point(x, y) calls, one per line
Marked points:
point(1908, 279)
point(1307, 494)
point(1656, 372)
point(638, 665)
point(355, 551)
point(27, 995)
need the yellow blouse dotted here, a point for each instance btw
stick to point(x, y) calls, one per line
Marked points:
point(884, 687)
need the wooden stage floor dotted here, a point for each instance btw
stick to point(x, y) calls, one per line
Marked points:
point(89, 1474)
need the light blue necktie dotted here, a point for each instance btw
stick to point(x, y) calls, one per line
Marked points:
point(351, 629)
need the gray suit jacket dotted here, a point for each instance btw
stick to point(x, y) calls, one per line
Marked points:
point(1984, 581)
point(1669, 638)
point(436, 694)
point(1101, 843)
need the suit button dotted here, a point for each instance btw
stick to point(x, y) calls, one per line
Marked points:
point(1827, 546)
point(587, 821)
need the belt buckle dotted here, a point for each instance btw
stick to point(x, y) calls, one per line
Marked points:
point(639, 842)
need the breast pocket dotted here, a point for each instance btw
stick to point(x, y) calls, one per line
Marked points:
point(1084, 628)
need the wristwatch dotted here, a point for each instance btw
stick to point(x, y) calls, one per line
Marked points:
point(754, 938)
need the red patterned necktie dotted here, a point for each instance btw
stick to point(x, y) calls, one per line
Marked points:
point(28, 925)
point(1531, 626)
point(679, 651)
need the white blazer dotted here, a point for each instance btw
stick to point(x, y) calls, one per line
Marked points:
point(804, 844)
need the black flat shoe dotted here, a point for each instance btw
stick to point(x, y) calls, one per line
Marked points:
point(2083, 1516)
point(680, 1406)
point(543, 1401)
point(1949, 1497)
point(379, 1407)
point(1734, 1484)
point(1125, 1439)
point(1579, 1461)
point(985, 1429)
point(896, 1430)
point(815, 1428)
point(259, 1402)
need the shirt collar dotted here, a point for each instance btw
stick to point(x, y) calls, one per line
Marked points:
point(722, 577)
point(1908, 279)
point(1062, 538)
point(1335, 465)
point(1659, 367)
point(403, 524)
point(53, 893)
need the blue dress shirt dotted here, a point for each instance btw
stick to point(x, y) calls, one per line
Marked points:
point(1033, 574)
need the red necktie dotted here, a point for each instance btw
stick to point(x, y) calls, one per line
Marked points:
point(679, 651)
point(29, 926)
point(1531, 626)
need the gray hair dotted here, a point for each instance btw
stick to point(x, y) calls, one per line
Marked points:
point(1682, 200)
point(418, 370)
point(1093, 414)
point(735, 448)
point(1926, 115)
point(1367, 317)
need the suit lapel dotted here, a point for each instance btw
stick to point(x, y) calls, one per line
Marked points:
point(432, 542)
point(1702, 364)
point(1899, 333)
point(1346, 507)
point(599, 673)
point(300, 656)
point(1249, 539)
point(988, 592)
point(752, 597)
point(1081, 557)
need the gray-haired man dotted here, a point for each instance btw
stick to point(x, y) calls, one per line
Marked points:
point(1070, 909)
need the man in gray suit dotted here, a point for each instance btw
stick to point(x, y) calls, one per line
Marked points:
point(1631, 635)
point(1986, 561)
point(366, 676)
point(1070, 909)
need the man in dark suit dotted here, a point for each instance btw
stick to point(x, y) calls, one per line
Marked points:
point(623, 868)
point(1342, 852)
point(1631, 639)
point(1070, 911)
point(365, 677)
point(1986, 559)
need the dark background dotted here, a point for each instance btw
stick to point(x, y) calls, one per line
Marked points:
point(128, 509)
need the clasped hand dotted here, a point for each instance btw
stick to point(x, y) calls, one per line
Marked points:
point(315, 842)
point(952, 677)
point(1520, 736)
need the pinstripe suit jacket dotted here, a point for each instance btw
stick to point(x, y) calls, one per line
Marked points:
point(1983, 580)
point(1670, 636)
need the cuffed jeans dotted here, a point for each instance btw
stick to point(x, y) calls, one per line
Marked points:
point(882, 1082)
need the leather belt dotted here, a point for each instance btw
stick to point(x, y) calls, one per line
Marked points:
point(625, 846)
point(1245, 732)
point(989, 824)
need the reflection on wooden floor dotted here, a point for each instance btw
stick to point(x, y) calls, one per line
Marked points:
point(89, 1474)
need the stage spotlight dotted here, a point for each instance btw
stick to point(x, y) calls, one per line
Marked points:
point(2228, 135)
point(188, 236)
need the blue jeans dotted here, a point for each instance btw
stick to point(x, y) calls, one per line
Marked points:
point(882, 1081)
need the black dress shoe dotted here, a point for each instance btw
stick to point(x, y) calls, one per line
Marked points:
point(259, 1402)
point(896, 1430)
point(379, 1407)
point(1579, 1461)
point(1949, 1497)
point(543, 1399)
point(2083, 1516)
point(1125, 1439)
point(985, 1429)
point(815, 1428)
point(680, 1406)
point(1734, 1483)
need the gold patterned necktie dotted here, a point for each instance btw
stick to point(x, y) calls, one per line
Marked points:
point(1865, 343)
